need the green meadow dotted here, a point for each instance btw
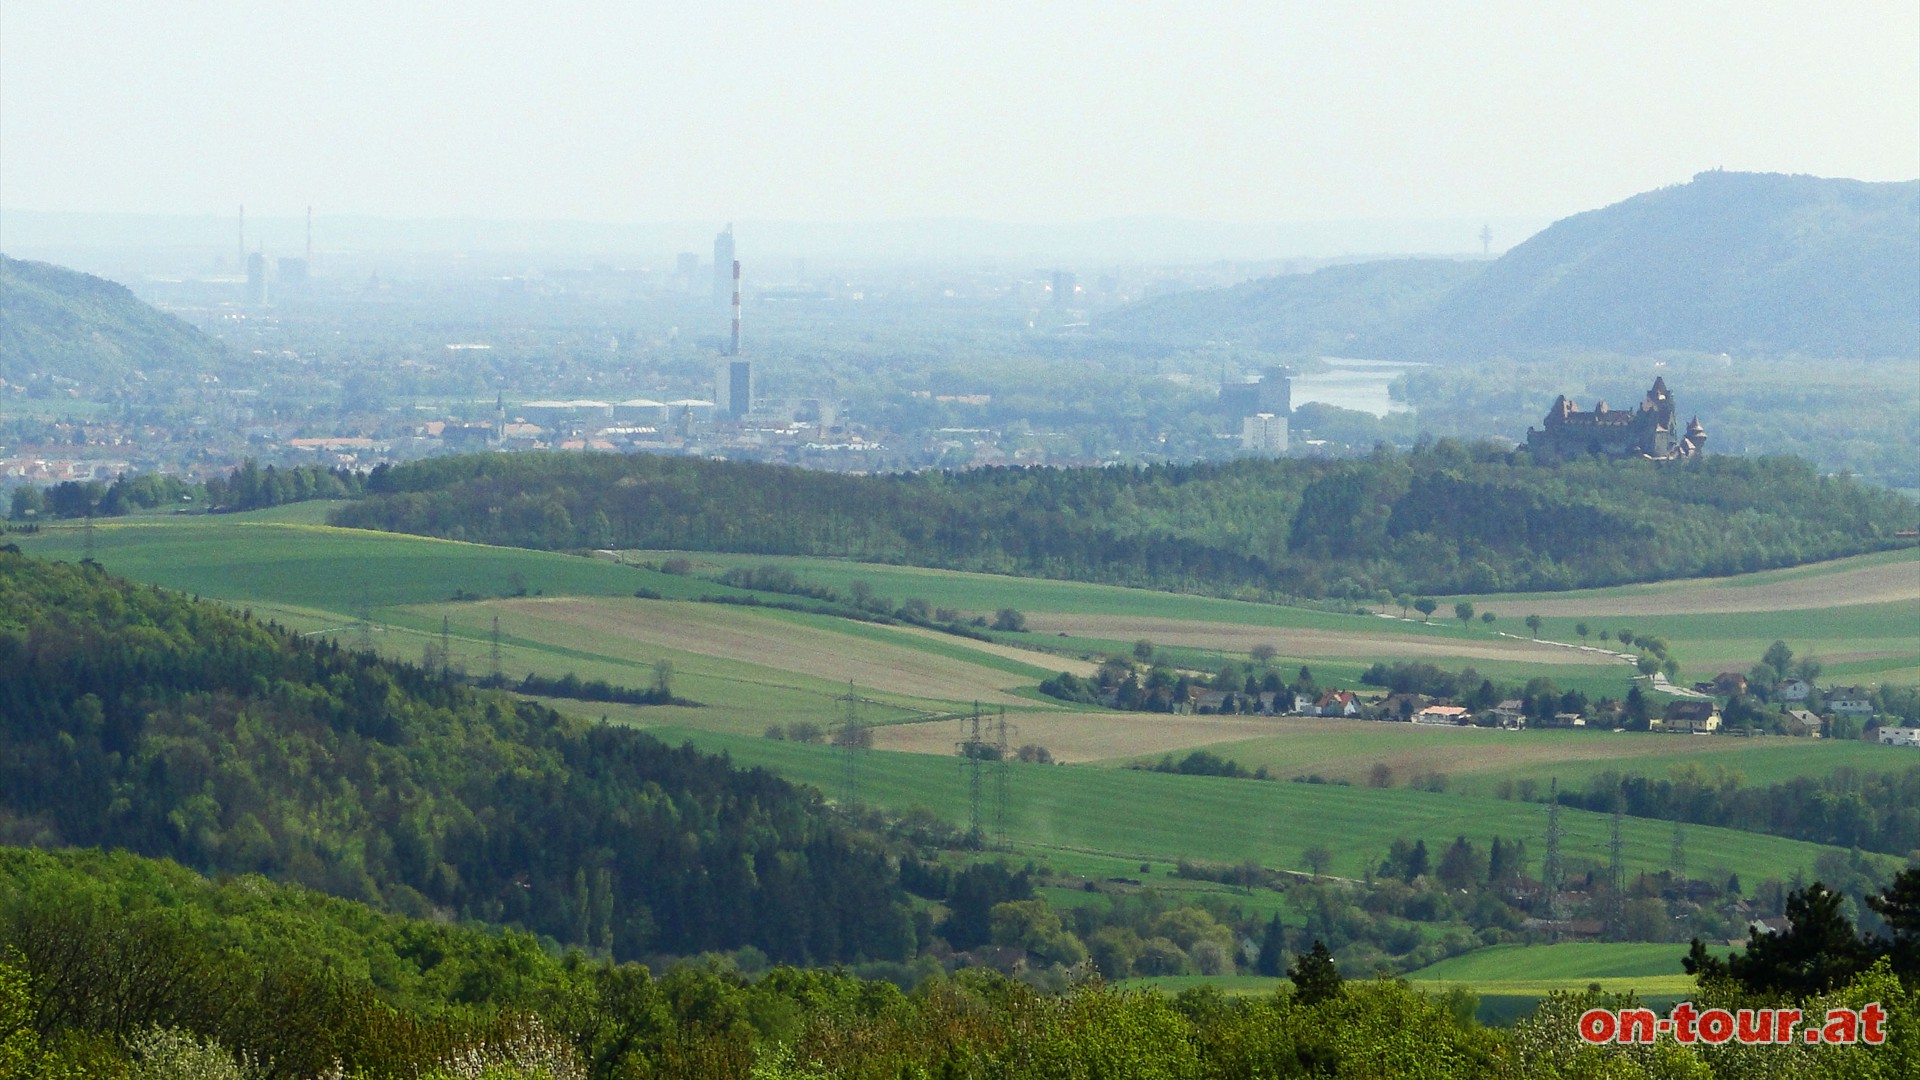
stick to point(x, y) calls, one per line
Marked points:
point(1128, 816)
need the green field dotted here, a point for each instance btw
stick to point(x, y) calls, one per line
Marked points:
point(1862, 629)
point(1124, 817)
point(318, 579)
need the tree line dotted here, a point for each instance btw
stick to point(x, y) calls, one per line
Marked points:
point(1444, 517)
point(248, 487)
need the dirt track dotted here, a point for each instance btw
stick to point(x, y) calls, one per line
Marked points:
point(1391, 640)
point(1074, 737)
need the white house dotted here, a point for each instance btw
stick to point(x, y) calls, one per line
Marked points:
point(1849, 701)
point(1794, 689)
point(1900, 736)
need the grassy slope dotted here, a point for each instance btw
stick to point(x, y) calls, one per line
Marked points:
point(1124, 817)
point(1873, 641)
point(313, 579)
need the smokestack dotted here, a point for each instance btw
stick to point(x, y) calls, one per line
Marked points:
point(735, 350)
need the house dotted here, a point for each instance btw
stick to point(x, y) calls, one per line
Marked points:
point(1691, 717)
point(1729, 684)
point(1900, 736)
point(1451, 715)
point(1511, 714)
point(1802, 722)
point(1794, 689)
point(1849, 701)
point(1335, 703)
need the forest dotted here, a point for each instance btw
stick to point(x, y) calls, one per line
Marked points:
point(123, 968)
point(139, 719)
point(1445, 517)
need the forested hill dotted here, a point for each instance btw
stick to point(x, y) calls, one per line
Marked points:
point(1742, 263)
point(1440, 519)
point(1324, 312)
point(140, 719)
point(1732, 262)
point(57, 323)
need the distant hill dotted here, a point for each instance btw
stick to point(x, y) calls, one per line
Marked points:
point(1730, 262)
point(1325, 311)
point(56, 322)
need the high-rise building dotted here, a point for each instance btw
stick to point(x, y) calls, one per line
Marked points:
point(734, 388)
point(1264, 433)
point(1276, 391)
point(687, 271)
point(257, 278)
point(1064, 286)
point(723, 266)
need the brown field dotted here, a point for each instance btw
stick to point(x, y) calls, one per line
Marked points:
point(1047, 661)
point(1073, 737)
point(744, 636)
point(1872, 584)
point(1310, 644)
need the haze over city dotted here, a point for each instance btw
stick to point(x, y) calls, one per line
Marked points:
point(1019, 113)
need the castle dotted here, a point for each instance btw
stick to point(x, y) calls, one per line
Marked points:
point(1648, 431)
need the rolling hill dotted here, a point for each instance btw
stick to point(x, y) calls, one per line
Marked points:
point(57, 323)
point(1746, 263)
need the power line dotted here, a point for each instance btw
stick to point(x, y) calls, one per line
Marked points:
point(850, 736)
point(1550, 868)
point(1002, 781)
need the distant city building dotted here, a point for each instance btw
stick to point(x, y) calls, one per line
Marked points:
point(734, 388)
point(256, 278)
point(1648, 431)
point(1276, 391)
point(640, 411)
point(723, 267)
point(1264, 433)
point(1064, 287)
point(687, 269)
point(1271, 392)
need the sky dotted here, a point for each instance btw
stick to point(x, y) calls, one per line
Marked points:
point(638, 111)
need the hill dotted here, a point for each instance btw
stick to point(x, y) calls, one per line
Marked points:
point(1743, 263)
point(1732, 262)
point(134, 718)
point(1325, 311)
point(57, 323)
point(1445, 518)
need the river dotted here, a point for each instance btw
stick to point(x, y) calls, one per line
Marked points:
point(1360, 385)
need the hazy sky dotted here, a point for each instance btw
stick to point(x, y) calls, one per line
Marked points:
point(1031, 111)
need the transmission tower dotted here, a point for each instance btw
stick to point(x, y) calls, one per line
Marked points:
point(970, 749)
point(1002, 780)
point(849, 740)
point(446, 648)
point(496, 677)
point(86, 540)
point(1550, 869)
